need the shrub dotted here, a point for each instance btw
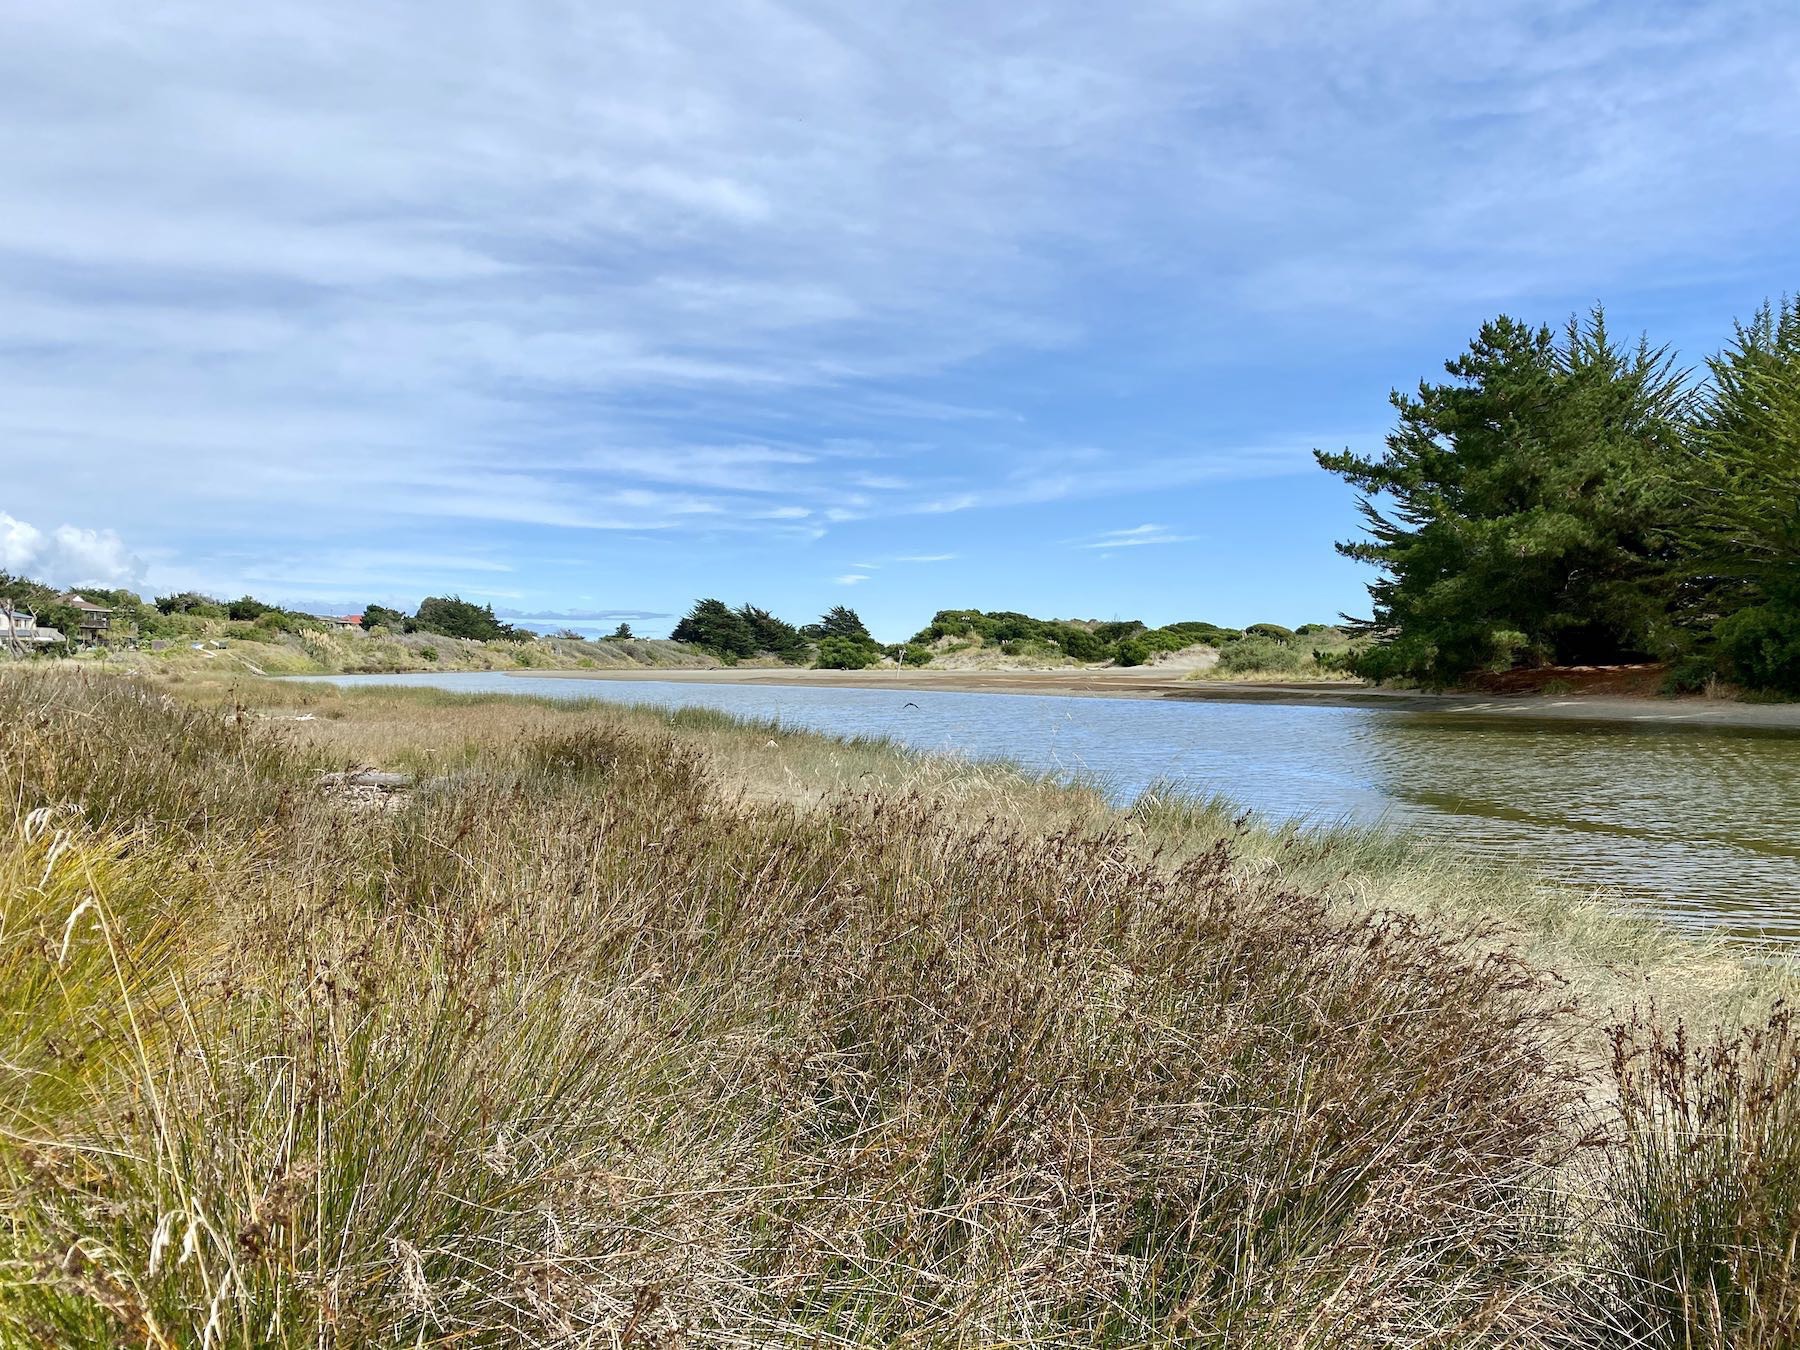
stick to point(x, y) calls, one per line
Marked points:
point(1133, 652)
point(838, 653)
point(1761, 646)
point(915, 654)
point(1270, 630)
point(1342, 661)
point(1691, 674)
point(1259, 653)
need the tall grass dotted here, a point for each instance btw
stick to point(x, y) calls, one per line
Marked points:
point(1703, 1240)
point(582, 1045)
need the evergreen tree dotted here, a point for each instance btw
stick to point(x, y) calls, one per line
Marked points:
point(381, 616)
point(773, 635)
point(1742, 529)
point(622, 633)
point(452, 616)
point(716, 627)
point(1531, 507)
point(840, 621)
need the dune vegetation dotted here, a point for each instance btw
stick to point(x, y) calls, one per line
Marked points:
point(614, 1027)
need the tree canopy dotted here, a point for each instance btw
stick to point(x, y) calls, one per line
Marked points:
point(1565, 499)
point(383, 616)
point(1523, 510)
point(1742, 533)
point(452, 616)
point(715, 626)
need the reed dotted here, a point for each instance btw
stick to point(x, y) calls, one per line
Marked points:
point(1702, 1233)
point(603, 1034)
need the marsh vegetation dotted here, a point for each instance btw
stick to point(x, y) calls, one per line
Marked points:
point(629, 1028)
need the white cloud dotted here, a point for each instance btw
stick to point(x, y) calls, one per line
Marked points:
point(67, 555)
point(852, 578)
point(927, 558)
point(468, 270)
point(1135, 537)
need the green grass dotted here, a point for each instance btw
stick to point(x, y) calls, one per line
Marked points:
point(624, 1027)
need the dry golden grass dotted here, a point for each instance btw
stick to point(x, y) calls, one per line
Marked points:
point(623, 1029)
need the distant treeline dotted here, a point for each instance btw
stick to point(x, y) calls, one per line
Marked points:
point(193, 614)
point(1124, 642)
point(840, 640)
point(187, 614)
point(1565, 499)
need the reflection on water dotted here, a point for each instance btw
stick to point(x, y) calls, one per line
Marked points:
point(1703, 823)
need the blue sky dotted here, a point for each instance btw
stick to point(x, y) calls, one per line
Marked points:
point(587, 309)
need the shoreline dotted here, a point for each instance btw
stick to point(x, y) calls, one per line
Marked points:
point(1696, 712)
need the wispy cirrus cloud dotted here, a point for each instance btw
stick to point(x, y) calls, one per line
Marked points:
point(279, 280)
point(1136, 537)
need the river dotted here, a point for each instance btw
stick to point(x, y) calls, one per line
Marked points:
point(1699, 823)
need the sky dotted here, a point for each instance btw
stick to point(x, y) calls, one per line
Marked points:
point(587, 310)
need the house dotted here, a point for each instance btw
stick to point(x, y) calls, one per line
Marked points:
point(95, 619)
point(348, 623)
point(19, 630)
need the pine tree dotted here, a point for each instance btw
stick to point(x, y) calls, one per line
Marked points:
point(719, 629)
point(1530, 506)
point(1742, 528)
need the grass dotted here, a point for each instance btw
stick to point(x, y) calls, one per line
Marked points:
point(214, 651)
point(630, 1028)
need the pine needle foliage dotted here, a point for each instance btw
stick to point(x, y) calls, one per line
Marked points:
point(1522, 511)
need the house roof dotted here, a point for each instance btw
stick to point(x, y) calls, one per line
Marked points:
point(82, 602)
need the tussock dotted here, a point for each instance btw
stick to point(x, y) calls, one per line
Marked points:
point(583, 1043)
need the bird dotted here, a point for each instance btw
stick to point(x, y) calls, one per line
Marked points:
point(909, 704)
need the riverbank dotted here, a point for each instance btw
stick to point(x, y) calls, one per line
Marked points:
point(214, 653)
point(616, 1025)
point(1151, 683)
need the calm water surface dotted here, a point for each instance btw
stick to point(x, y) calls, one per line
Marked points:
point(1700, 823)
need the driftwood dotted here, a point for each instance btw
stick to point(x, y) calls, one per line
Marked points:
point(367, 778)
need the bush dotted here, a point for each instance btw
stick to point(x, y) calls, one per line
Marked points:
point(1259, 654)
point(1690, 674)
point(1761, 646)
point(838, 653)
point(1133, 652)
point(914, 654)
point(1270, 630)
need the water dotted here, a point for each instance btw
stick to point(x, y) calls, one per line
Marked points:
point(1702, 824)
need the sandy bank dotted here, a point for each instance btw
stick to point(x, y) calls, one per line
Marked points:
point(1153, 683)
